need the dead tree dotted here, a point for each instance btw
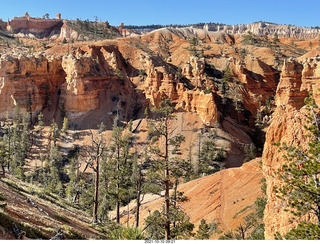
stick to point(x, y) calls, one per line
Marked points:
point(95, 154)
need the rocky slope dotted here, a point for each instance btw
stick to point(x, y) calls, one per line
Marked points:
point(217, 198)
point(40, 214)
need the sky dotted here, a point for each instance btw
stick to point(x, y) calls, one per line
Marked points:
point(146, 12)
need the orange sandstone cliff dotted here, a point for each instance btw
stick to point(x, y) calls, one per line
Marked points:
point(297, 79)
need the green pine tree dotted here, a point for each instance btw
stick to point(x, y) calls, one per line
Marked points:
point(65, 125)
point(164, 146)
point(210, 157)
point(301, 189)
point(56, 169)
point(275, 38)
point(120, 165)
point(55, 133)
point(203, 230)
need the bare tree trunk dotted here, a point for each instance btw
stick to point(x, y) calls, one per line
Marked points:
point(175, 198)
point(118, 186)
point(118, 211)
point(96, 194)
point(3, 170)
point(138, 199)
point(138, 210)
point(167, 183)
point(9, 149)
point(167, 208)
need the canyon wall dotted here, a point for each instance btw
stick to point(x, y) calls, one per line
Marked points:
point(22, 75)
point(96, 81)
point(78, 83)
point(92, 84)
point(258, 79)
point(159, 85)
point(287, 126)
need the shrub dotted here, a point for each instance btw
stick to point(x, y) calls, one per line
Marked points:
point(126, 233)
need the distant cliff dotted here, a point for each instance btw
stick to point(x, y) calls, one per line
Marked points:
point(262, 28)
point(38, 27)
point(45, 27)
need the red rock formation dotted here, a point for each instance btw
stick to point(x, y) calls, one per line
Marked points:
point(22, 75)
point(82, 84)
point(67, 32)
point(289, 88)
point(92, 84)
point(37, 26)
point(287, 126)
point(258, 78)
point(159, 85)
point(194, 71)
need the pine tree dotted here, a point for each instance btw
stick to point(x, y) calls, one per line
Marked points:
point(275, 38)
point(227, 76)
point(65, 125)
point(210, 156)
point(19, 143)
point(203, 230)
point(25, 138)
point(38, 136)
point(193, 48)
point(225, 83)
point(249, 152)
point(301, 189)
point(237, 97)
point(138, 182)
point(160, 129)
point(155, 227)
point(72, 190)
point(120, 165)
point(55, 166)
point(30, 109)
point(164, 145)
point(55, 133)
point(141, 183)
point(3, 156)
point(104, 196)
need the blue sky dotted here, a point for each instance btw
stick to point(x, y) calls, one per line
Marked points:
point(142, 12)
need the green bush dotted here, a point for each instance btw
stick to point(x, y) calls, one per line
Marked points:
point(2, 197)
point(62, 218)
point(126, 233)
point(207, 90)
point(72, 234)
